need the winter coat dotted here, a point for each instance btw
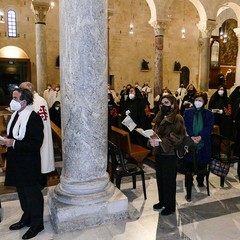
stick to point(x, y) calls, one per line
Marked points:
point(204, 154)
point(171, 130)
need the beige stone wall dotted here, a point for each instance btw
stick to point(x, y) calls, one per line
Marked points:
point(127, 51)
point(26, 35)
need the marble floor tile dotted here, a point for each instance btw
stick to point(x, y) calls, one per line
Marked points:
point(206, 217)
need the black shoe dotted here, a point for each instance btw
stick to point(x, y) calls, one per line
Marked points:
point(167, 211)
point(157, 206)
point(18, 225)
point(200, 185)
point(31, 233)
point(188, 199)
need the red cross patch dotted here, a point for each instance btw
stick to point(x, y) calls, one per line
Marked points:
point(43, 113)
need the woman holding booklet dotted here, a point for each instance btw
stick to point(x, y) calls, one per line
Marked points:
point(169, 126)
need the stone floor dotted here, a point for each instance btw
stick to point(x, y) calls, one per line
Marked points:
point(207, 217)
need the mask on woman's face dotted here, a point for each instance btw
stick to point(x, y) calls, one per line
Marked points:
point(166, 109)
point(198, 104)
point(165, 93)
point(15, 105)
point(220, 92)
point(131, 96)
point(190, 92)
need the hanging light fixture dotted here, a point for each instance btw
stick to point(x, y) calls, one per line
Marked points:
point(183, 30)
point(131, 28)
point(52, 4)
point(1, 17)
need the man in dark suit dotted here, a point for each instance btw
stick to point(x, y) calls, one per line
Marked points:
point(23, 169)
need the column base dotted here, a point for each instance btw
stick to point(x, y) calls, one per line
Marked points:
point(65, 217)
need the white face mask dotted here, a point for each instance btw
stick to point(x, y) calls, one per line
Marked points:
point(14, 105)
point(57, 108)
point(220, 92)
point(165, 93)
point(131, 96)
point(198, 104)
point(57, 89)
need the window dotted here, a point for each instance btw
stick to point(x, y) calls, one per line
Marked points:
point(12, 23)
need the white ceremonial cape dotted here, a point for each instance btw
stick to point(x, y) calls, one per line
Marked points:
point(47, 154)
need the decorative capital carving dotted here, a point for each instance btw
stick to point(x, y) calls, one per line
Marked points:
point(40, 10)
point(159, 26)
point(206, 27)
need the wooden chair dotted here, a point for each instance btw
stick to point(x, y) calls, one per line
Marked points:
point(121, 168)
point(121, 138)
point(222, 150)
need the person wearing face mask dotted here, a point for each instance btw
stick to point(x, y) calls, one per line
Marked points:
point(169, 126)
point(135, 107)
point(220, 104)
point(199, 125)
point(47, 94)
point(55, 113)
point(23, 169)
point(55, 96)
point(187, 101)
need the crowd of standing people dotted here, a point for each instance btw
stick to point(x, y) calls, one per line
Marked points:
point(187, 111)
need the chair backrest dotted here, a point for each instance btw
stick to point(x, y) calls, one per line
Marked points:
point(221, 148)
point(121, 139)
point(117, 156)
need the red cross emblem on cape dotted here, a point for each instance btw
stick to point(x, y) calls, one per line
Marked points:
point(43, 113)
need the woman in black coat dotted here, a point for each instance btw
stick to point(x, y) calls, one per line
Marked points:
point(135, 106)
point(221, 106)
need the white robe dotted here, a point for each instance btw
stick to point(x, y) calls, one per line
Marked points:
point(47, 154)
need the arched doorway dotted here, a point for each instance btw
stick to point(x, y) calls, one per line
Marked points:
point(15, 68)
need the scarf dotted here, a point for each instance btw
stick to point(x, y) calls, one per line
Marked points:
point(19, 128)
point(198, 125)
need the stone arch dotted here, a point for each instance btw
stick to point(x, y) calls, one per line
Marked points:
point(13, 52)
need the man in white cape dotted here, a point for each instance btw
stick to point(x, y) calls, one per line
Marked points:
point(41, 108)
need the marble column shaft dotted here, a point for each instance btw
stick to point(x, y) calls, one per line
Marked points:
point(85, 196)
point(205, 28)
point(158, 76)
point(40, 10)
point(204, 64)
point(159, 27)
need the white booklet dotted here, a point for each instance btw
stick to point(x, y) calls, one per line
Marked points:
point(129, 123)
point(2, 138)
point(149, 133)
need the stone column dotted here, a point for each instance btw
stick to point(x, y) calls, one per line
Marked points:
point(237, 76)
point(40, 10)
point(206, 28)
point(159, 28)
point(85, 197)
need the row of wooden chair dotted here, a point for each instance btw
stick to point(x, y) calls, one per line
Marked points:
point(221, 150)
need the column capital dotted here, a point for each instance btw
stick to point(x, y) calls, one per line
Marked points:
point(40, 10)
point(159, 26)
point(206, 27)
point(237, 31)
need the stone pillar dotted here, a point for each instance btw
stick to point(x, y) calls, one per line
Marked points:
point(237, 76)
point(159, 28)
point(85, 197)
point(40, 10)
point(206, 28)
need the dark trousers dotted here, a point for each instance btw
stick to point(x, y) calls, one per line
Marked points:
point(31, 201)
point(166, 180)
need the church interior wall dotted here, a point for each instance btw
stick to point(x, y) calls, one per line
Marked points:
point(126, 51)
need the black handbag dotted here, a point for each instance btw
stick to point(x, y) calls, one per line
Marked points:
point(219, 168)
point(184, 147)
